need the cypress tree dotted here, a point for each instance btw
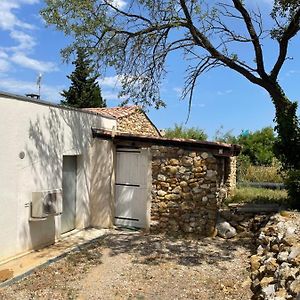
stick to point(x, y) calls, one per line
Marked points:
point(84, 91)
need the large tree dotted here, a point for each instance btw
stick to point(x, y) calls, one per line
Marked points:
point(137, 38)
point(84, 91)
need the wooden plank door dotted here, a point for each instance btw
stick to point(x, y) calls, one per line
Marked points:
point(131, 188)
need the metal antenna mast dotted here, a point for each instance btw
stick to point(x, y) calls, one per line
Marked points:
point(38, 82)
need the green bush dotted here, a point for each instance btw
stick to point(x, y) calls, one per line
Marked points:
point(292, 182)
point(257, 145)
point(179, 131)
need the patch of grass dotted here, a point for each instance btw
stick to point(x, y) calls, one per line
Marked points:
point(258, 195)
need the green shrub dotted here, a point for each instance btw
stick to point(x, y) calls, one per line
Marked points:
point(258, 146)
point(292, 182)
point(179, 131)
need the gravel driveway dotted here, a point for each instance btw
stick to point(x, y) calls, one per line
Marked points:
point(133, 265)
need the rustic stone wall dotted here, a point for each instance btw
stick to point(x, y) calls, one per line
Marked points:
point(276, 265)
point(137, 123)
point(231, 175)
point(186, 194)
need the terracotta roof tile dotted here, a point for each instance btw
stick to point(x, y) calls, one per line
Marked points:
point(116, 112)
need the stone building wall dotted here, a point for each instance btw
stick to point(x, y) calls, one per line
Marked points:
point(186, 193)
point(137, 123)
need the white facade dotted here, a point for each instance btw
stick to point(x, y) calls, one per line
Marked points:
point(34, 137)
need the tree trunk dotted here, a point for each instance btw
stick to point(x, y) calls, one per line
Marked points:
point(287, 147)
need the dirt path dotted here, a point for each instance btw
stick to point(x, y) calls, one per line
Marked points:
point(136, 266)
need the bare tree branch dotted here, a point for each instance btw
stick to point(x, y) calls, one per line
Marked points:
point(255, 40)
point(291, 30)
point(202, 41)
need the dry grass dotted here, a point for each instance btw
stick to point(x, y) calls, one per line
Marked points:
point(262, 174)
point(259, 195)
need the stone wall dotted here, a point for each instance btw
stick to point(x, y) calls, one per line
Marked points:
point(137, 123)
point(231, 175)
point(276, 265)
point(186, 193)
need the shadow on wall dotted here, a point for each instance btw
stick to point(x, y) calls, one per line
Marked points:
point(52, 133)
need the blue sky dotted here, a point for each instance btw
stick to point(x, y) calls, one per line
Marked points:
point(222, 98)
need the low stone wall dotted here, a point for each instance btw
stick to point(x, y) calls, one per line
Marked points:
point(186, 195)
point(244, 222)
point(276, 265)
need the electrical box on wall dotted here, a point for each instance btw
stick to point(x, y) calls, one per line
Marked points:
point(46, 203)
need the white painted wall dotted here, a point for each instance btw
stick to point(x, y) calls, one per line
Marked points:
point(45, 133)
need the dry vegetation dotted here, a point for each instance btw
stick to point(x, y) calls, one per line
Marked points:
point(262, 174)
point(259, 195)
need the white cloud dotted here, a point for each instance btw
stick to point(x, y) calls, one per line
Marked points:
point(292, 72)
point(108, 95)
point(25, 40)
point(49, 93)
point(8, 20)
point(118, 3)
point(3, 54)
point(30, 63)
point(223, 93)
point(18, 32)
point(110, 81)
point(4, 65)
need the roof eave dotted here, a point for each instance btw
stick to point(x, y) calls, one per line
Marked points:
point(118, 138)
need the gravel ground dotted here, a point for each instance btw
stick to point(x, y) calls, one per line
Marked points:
point(133, 265)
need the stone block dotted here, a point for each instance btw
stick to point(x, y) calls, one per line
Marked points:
point(161, 193)
point(177, 190)
point(183, 184)
point(204, 155)
point(187, 161)
point(295, 287)
point(225, 230)
point(186, 189)
point(174, 162)
point(186, 196)
point(161, 177)
point(200, 175)
point(172, 197)
point(266, 281)
point(193, 185)
point(171, 169)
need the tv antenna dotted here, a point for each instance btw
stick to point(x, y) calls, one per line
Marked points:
point(38, 82)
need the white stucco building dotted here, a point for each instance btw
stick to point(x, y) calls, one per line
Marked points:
point(45, 147)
